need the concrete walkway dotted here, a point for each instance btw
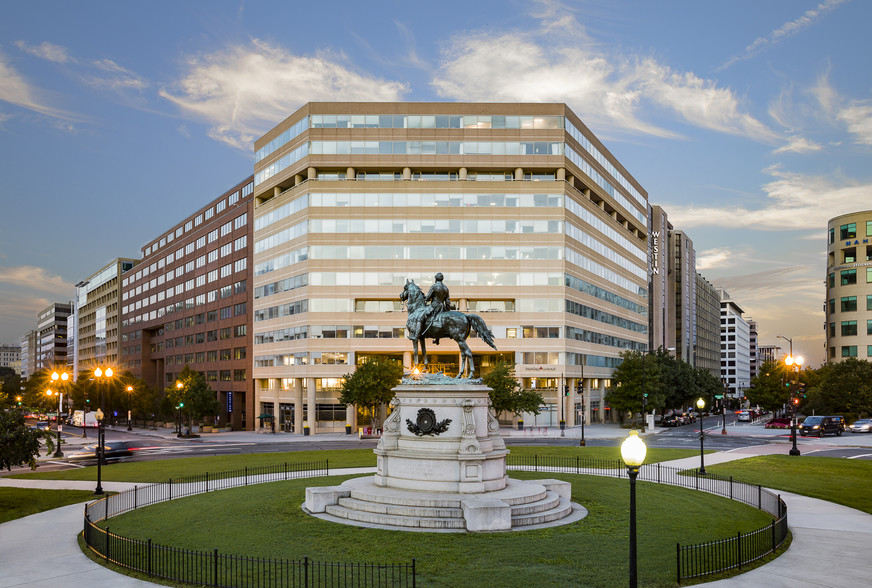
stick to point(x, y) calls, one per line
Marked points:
point(830, 542)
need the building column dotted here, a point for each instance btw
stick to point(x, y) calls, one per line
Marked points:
point(461, 174)
point(407, 173)
point(310, 405)
point(351, 416)
point(276, 415)
point(312, 173)
point(350, 174)
point(298, 406)
point(519, 174)
point(407, 361)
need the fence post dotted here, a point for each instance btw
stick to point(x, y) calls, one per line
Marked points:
point(576, 464)
point(658, 472)
point(207, 481)
point(286, 470)
point(246, 475)
point(678, 562)
point(148, 563)
point(731, 487)
point(171, 488)
point(327, 465)
point(306, 572)
point(106, 508)
point(135, 497)
point(739, 540)
point(106, 550)
point(535, 462)
point(215, 567)
point(413, 572)
point(759, 496)
point(773, 536)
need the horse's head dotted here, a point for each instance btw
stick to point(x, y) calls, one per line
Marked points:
point(410, 292)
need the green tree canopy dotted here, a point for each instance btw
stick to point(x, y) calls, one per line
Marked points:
point(371, 384)
point(506, 393)
point(768, 388)
point(637, 374)
point(19, 445)
point(194, 395)
point(841, 387)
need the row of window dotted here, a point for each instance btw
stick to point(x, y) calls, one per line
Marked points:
point(850, 351)
point(848, 303)
point(849, 328)
point(848, 277)
point(849, 231)
point(206, 356)
point(225, 291)
point(214, 376)
point(200, 338)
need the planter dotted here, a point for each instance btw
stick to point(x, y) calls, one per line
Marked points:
point(205, 429)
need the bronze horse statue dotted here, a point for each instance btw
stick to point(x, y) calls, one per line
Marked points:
point(450, 325)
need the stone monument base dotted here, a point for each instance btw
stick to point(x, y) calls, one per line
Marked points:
point(442, 466)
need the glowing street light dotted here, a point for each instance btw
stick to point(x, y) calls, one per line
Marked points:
point(633, 453)
point(700, 404)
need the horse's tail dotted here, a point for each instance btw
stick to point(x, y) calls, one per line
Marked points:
point(481, 328)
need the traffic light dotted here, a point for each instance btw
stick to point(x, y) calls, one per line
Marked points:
point(566, 390)
point(796, 401)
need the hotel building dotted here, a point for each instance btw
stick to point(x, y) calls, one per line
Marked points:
point(535, 225)
point(849, 287)
point(188, 302)
point(735, 347)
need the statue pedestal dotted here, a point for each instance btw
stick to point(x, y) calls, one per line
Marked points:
point(442, 439)
point(442, 467)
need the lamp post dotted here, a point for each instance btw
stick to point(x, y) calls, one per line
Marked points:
point(129, 392)
point(793, 364)
point(102, 376)
point(583, 415)
point(179, 387)
point(700, 404)
point(633, 453)
point(724, 408)
point(99, 416)
point(61, 379)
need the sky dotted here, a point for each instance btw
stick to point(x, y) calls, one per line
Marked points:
point(749, 122)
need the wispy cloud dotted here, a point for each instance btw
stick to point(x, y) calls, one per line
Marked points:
point(34, 278)
point(16, 90)
point(111, 76)
point(45, 50)
point(609, 90)
point(798, 144)
point(788, 29)
point(793, 201)
point(242, 91)
point(712, 258)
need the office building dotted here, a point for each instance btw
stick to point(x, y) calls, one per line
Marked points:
point(97, 317)
point(707, 352)
point(735, 347)
point(10, 356)
point(753, 359)
point(661, 293)
point(51, 337)
point(188, 303)
point(683, 278)
point(849, 287)
point(535, 225)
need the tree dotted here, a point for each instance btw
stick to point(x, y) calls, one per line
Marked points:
point(371, 384)
point(636, 375)
point(768, 388)
point(841, 387)
point(19, 445)
point(506, 394)
point(11, 386)
point(195, 398)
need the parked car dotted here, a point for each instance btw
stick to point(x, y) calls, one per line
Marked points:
point(778, 423)
point(861, 426)
point(820, 426)
point(745, 416)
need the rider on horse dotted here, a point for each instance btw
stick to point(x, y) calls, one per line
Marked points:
point(439, 302)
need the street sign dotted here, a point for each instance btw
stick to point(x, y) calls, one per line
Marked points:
point(719, 396)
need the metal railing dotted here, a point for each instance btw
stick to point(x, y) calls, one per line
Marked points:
point(701, 559)
point(211, 568)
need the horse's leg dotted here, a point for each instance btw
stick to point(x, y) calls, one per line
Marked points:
point(467, 365)
point(414, 353)
point(424, 351)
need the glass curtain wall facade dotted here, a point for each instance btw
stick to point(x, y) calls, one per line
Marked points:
point(848, 305)
point(534, 224)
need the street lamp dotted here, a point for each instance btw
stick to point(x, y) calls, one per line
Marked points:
point(633, 453)
point(796, 362)
point(724, 408)
point(102, 376)
point(700, 404)
point(61, 379)
point(99, 416)
point(179, 387)
point(129, 392)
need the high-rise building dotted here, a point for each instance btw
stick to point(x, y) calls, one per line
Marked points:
point(188, 303)
point(849, 287)
point(735, 347)
point(683, 276)
point(51, 336)
point(707, 353)
point(28, 354)
point(535, 225)
point(661, 293)
point(10, 356)
point(752, 347)
point(97, 317)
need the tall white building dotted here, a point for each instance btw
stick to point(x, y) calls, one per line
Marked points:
point(735, 346)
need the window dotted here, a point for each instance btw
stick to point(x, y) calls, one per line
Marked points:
point(226, 228)
point(239, 331)
point(831, 280)
point(848, 277)
point(849, 351)
point(239, 309)
point(225, 312)
point(869, 275)
point(832, 305)
point(239, 353)
point(849, 255)
point(848, 231)
point(849, 303)
point(238, 375)
point(240, 264)
point(849, 328)
point(868, 229)
point(832, 238)
point(869, 327)
point(224, 333)
point(226, 249)
point(869, 302)
point(240, 221)
point(832, 329)
point(220, 206)
point(213, 235)
point(224, 355)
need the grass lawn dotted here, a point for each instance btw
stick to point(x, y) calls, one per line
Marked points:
point(21, 502)
point(843, 481)
point(161, 470)
point(266, 521)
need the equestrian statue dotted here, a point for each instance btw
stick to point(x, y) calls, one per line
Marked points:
point(431, 317)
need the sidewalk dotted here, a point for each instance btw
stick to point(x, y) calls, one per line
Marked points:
point(830, 542)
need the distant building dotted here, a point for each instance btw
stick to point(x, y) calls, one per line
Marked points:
point(10, 356)
point(97, 317)
point(735, 347)
point(661, 294)
point(849, 287)
point(707, 352)
point(683, 278)
point(51, 337)
point(767, 353)
point(188, 303)
point(28, 354)
point(752, 347)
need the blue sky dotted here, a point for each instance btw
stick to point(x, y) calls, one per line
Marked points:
point(749, 122)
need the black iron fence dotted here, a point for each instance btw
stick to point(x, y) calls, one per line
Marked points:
point(702, 559)
point(212, 568)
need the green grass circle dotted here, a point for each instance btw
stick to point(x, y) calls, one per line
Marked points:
point(266, 521)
